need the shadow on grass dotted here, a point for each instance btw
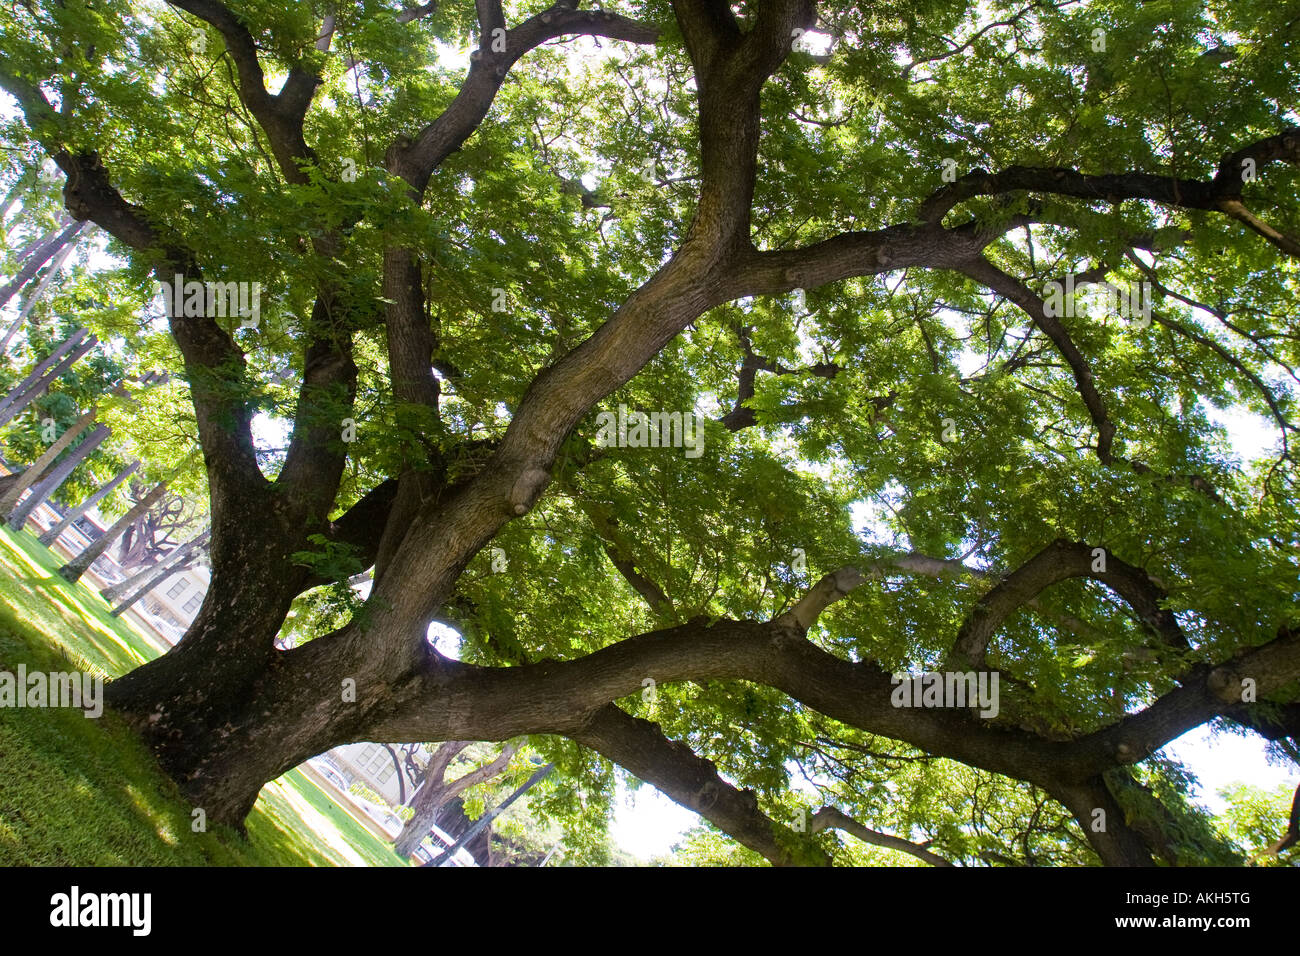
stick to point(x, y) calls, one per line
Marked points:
point(87, 792)
point(70, 613)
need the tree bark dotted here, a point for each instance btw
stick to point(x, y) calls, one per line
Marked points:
point(210, 678)
point(225, 711)
point(74, 569)
point(72, 514)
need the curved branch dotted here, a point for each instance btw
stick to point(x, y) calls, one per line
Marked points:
point(1270, 398)
point(620, 555)
point(489, 770)
point(1012, 289)
point(1060, 561)
point(280, 115)
point(1225, 187)
point(834, 818)
point(1203, 693)
point(416, 159)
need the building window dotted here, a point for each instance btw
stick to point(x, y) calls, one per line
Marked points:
point(192, 605)
point(175, 590)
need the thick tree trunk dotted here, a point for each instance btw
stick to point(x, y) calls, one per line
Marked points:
point(224, 711)
point(224, 715)
point(49, 537)
point(50, 484)
point(9, 500)
point(74, 569)
point(226, 672)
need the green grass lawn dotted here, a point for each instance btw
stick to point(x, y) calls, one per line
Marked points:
point(81, 792)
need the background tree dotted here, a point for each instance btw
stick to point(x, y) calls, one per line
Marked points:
point(916, 460)
point(152, 536)
point(436, 789)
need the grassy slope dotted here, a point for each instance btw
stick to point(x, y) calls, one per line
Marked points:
point(82, 792)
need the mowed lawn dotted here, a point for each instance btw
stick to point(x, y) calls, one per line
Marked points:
point(86, 792)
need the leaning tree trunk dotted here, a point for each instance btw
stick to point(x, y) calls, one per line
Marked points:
point(224, 711)
point(224, 672)
point(38, 258)
point(138, 585)
point(10, 480)
point(20, 186)
point(9, 500)
point(44, 366)
point(154, 580)
point(49, 537)
point(436, 792)
point(74, 569)
point(432, 795)
point(50, 484)
point(22, 401)
point(35, 296)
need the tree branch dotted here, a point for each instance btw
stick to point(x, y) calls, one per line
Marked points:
point(641, 748)
point(1060, 561)
point(280, 115)
point(993, 278)
point(832, 818)
point(1111, 188)
point(416, 159)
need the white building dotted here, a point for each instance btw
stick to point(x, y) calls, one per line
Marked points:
point(177, 598)
point(373, 765)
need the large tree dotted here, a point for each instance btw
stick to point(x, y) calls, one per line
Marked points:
point(830, 228)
